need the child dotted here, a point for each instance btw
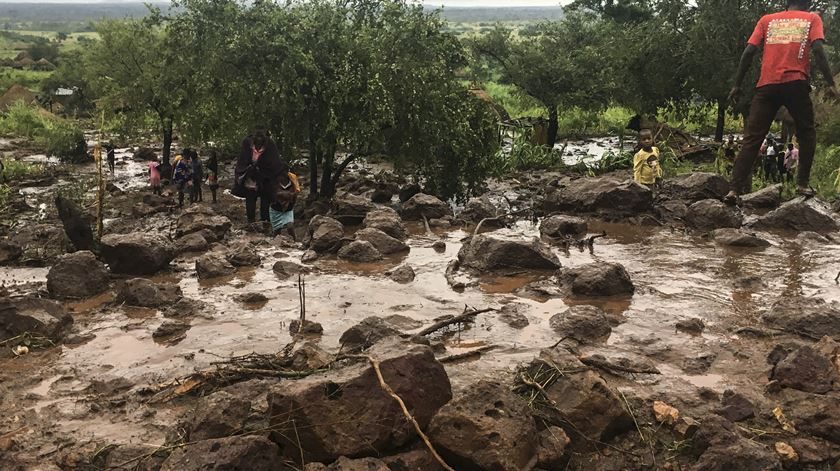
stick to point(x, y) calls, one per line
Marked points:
point(111, 157)
point(282, 210)
point(646, 168)
point(770, 166)
point(182, 176)
point(197, 178)
point(791, 160)
point(213, 173)
point(154, 176)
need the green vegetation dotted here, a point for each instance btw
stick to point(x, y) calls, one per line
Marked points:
point(16, 170)
point(56, 136)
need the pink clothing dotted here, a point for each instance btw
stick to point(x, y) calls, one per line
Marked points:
point(256, 153)
point(154, 174)
point(792, 159)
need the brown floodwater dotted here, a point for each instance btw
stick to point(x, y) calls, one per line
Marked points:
point(677, 276)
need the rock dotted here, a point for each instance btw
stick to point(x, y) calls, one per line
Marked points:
point(199, 219)
point(693, 326)
point(77, 224)
point(421, 205)
point(309, 256)
point(596, 279)
point(34, 315)
point(579, 401)
point(251, 298)
point(325, 234)
point(561, 226)
point(286, 269)
point(743, 455)
point(511, 315)
point(770, 197)
point(309, 356)
point(442, 223)
point(408, 191)
point(146, 293)
point(439, 246)
point(170, 329)
point(810, 316)
point(735, 407)
point(800, 215)
point(686, 427)
point(194, 242)
point(9, 252)
point(710, 214)
point(218, 415)
point(247, 452)
point(605, 195)
point(137, 253)
point(388, 221)
point(243, 254)
point(552, 448)
point(415, 460)
point(213, 265)
point(77, 275)
point(665, 414)
point(309, 327)
point(814, 415)
point(488, 427)
point(381, 196)
point(351, 209)
point(807, 370)
point(366, 333)
point(738, 238)
point(477, 209)
point(671, 211)
point(699, 364)
point(401, 274)
point(320, 404)
point(786, 452)
point(384, 243)
point(506, 250)
point(698, 186)
point(360, 251)
point(361, 464)
point(583, 323)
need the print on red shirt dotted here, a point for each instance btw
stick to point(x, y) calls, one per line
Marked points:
point(787, 38)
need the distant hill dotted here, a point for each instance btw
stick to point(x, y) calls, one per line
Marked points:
point(67, 16)
point(494, 14)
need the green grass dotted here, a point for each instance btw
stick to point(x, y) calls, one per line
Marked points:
point(54, 135)
point(31, 79)
point(16, 170)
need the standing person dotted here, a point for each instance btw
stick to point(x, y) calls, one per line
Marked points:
point(770, 161)
point(213, 173)
point(646, 168)
point(787, 38)
point(791, 160)
point(257, 170)
point(182, 176)
point(154, 176)
point(111, 156)
point(197, 178)
point(282, 210)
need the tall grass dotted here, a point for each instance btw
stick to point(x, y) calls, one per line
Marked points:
point(55, 136)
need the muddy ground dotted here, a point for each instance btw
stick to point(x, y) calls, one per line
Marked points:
point(63, 405)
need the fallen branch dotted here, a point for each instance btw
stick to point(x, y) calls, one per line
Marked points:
point(598, 361)
point(426, 223)
point(455, 320)
point(375, 364)
point(462, 356)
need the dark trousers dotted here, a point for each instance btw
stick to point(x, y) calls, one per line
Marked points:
point(195, 192)
point(795, 96)
point(251, 204)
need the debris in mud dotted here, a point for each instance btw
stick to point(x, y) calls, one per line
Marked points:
point(439, 246)
point(9, 252)
point(707, 215)
point(561, 226)
point(142, 292)
point(77, 275)
point(596, 279)
point(32, 317)
point(511, 314)
point(250, 452)
point(309, 328)
point(664, 413)
point(136, 253)
point(738, 238)
point(800, 214)
point(171, 330)
point(360, 251)
point(620, 365)
point(366, 333)
point(586, 324)
point(735, 406)
point(506, 250)
point(426, 206)
point(401, 274)
point(383, 242)
point(252, 298)
point(693, 326)
point(76, 224)
point(699, 364)
point(285, 269)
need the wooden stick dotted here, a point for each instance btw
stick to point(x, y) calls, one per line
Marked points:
point(472, 353)
point(601, 362)
point(375, 364)
point(460, 318)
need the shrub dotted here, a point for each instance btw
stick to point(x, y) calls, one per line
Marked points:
point(56, 136)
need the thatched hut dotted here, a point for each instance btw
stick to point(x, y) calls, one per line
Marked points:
point(17, 93)
point(25, 63)
point(44, 64)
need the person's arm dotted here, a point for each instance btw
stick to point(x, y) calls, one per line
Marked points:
point(821, 58)
point(747, 58)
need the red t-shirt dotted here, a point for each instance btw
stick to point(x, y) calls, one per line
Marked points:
point(787, 38)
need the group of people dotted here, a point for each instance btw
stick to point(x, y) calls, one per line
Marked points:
point(188, 176)
point(779, 162)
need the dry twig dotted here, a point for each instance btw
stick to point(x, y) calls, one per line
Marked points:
point(455, 320)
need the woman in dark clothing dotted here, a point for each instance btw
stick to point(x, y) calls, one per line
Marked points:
point(257, 168)
point(213, 173)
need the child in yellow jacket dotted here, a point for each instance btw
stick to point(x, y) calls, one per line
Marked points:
point(646, 168)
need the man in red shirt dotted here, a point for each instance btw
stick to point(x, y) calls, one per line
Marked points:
point(787, 38)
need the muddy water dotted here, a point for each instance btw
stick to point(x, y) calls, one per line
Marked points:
point(677, 276)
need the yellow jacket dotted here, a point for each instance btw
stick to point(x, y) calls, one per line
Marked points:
point(644, 172)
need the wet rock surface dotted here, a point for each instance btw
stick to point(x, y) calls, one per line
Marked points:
point(146, 293)
point(582, 323)
point(136, 253)
point(711, 214)
point(561, 226)
point(401, 274)
point(325, 234)
point(384, 243)
point(603, 195)
point(213, 265)
point(799, 215)
point(422, 205)
point(77, 275)
point(737, 238)
point(388, 221)
point(770, 197)
point(360, 251)
point(366, 333)
point(213, 227)
point(498, 250)
point(33, 315)
point(697, 186)
point(596, 279)
point(246, 452)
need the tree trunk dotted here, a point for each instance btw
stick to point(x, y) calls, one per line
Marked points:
point(552, 127)
point(313, 165)
point(721, 121)
point(327, 183)
point(337, 174)
point(167, 140)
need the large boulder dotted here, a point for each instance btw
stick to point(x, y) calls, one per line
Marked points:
point(366, 333)
point(712, 214)
point(596, 279)
point(488, 427)
point(33, 315)
point(77, 275)
point(198, 219)
point(384, 243)
point(388, 221)
point(578, 401)
point(741, 454)
point(477, 209)
point(213, 265)
point(241, 453)
point(9, 252)
point(582, 323)
point(800, 215)
point(561, 226)
point(137, 253)
point(698, 186)
point(146, 293)
point(195, 242)
point(502, 249)
point(346, 413)
point(812, 317)
point(769, 197)
point(605, 195)
point(218, 415)
point(807, 370)
point(77, 223)
point(422, 204)
point(325, 234)
point(414, 460)
point(360, 251)
point(732, 237)
point(243, 254)
point(351, 209)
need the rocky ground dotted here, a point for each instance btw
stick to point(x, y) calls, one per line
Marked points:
point(554, 323)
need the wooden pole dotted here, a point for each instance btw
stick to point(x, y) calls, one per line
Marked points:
point(100, 193)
